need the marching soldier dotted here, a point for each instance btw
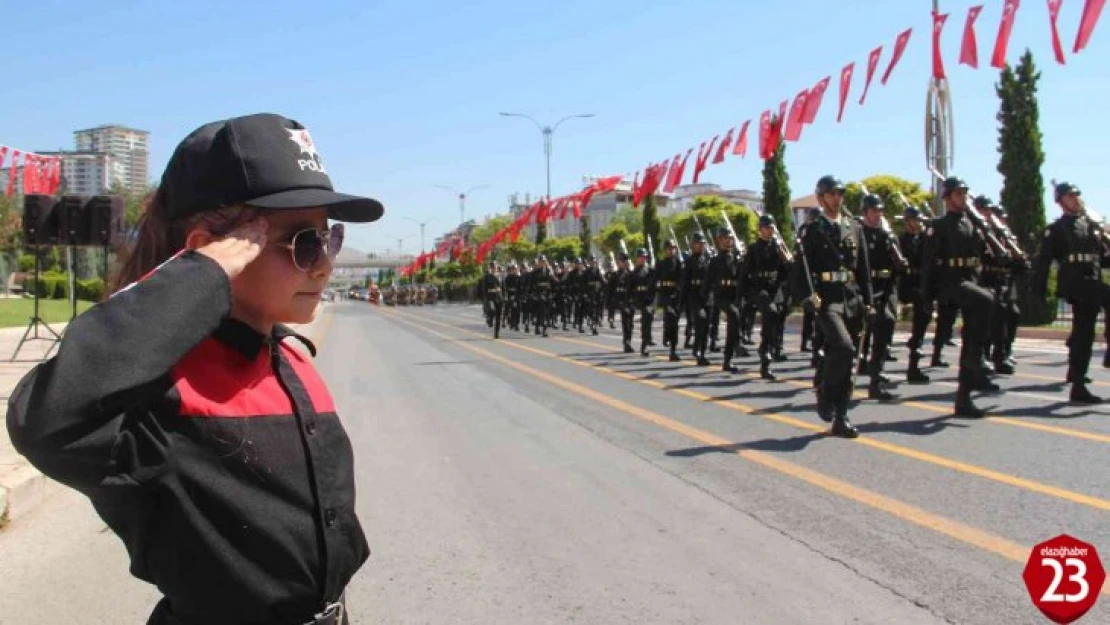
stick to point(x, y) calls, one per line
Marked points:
point(643, 297)
point(512, 285)
point(622, 300)
point(698, 296)
point(724, 274)
point(577, 290)
point(1080, 247)
point(824, 280)
point(761, 276)
point(882, 260)
point(542, 284)
point(490, 292)
point(953, 250)
point(909, 291)
point(809, 342)
point(669, 283)
point(593, 283)
point(1004, 315)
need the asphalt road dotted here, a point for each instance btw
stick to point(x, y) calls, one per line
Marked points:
point(556, 480)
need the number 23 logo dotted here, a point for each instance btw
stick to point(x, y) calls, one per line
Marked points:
point(1079, 577)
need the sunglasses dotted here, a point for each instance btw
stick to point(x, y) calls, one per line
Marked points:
point(307, 246)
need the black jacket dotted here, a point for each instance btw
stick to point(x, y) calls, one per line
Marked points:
point(213, 451)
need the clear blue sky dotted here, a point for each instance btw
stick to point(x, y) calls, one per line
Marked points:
point(402, 96)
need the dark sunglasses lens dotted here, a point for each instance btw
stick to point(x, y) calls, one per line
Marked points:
point(307, 247)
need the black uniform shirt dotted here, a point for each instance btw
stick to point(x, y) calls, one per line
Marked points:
point(668, 275)
point(953, 252)
point(724, 278)
point(881, 259)
point(490, 288)
point(1073, 243)
point(762, 269)
point(913, 246)
point(643, 286)
point(213, 451)
point(695, 281)
point(831, 249)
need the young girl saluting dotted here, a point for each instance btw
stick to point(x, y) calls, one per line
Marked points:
point(208, 444)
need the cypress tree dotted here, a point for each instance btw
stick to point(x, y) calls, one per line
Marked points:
point(776, 192)
point(1021, 157)
point(651, 223)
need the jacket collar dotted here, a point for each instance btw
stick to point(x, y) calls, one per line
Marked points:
point(249, 342)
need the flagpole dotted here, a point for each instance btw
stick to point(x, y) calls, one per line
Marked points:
point(939, 130)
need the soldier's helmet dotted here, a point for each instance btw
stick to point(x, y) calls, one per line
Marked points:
point(829, 183)
point(911, 213)
point(622, 256)
point(642, 252)
point(982, 202)
point(766, 220)
point(1064, 188)
point(872, 201)
point(541, 258)
point(668, 243)
point(698, 238)
point(578, 261)
point(723, 232)
point(591, 258)
point(954, 183)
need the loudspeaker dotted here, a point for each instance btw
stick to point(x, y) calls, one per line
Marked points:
point(74, 220)
point(41, 223)
point(105, 220)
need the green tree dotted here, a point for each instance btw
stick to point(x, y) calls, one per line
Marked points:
point(1021, 157)
point(630, 216)
point(561, 248)
point(11, 224)
point(585, 233)
point(891, 189)
point(488, 228)
point(776, 192)
point(651, 223)
point(520, 251)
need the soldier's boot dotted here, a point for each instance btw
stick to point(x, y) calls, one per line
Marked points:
point(702, 360)
point(497, 330)
point(936, 361)
point(841, 426)
point(1068, 380)
point(1001, 366)
point(890, 357)
point(727, 365)
point(674, 356)
point(964, 405)
point(1106, 359)
point(1081, 395)
point(643, 348)
point(987, 366)
point(628, 348)
point(805, 346)
point(875, 390)
point(765, 369)
point(914, 375)
point(741, 351)
point(713, 346)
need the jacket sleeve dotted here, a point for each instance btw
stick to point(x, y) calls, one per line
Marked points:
point(798, 281)
point(1044, 262)
point(68, 415)
point(930, 251)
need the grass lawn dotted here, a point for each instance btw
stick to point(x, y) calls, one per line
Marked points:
point(16, 312)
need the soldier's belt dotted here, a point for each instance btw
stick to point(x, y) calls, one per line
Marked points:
point(1083, 258)
point(835, 276)
point(764, 274)
point(993, 269)
point(641, 288)
point(595, 283)
point(728, 282)
point(493, 290)
point(695, 282)
point(544, 285)
point(666, 283)
point(910, 271)
point(881, 273)
point(972, 261)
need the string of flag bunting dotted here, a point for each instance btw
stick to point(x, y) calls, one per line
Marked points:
point(41, 174)
point(787, 122)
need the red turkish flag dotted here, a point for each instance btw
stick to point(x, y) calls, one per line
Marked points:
point(969, 50)
point(764, 133)
point(703, 159)
point(726, 143)
point(813, 100)
point(1091, 11)
point(682, 167)
point(671, 182)
point(637, 190)
point(938, 61)
point(899, 47)
point(606, 185)
point(30, 173)
point(1053, 15)
point(872, 65)
point(845, 83)
point(742, 143)
point(1009, 11)
point(3, 155)
point(797, 113)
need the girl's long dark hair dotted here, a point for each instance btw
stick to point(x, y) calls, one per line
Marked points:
point(160, 237)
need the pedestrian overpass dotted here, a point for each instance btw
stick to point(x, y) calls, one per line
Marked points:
point(348, 271)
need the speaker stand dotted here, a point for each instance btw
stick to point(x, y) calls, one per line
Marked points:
point(36, 320)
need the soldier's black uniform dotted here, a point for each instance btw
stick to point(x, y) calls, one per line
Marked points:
point(724, 280)
point(512, 286)
point(643, 297)
point(698, 297)
point(593, 286)
point(542, 285)
point(998, 278)
point(490, 291)
point(1076, 244)
point(909, 292)
point(622, 300)
point(880, 258)
point(762, 274)
point(668, 275)
point(830, 247)
point(951, 259)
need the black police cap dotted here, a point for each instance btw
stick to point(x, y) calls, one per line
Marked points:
point(766, 220)
point(983, 201)
point(698, 238)
point(641, 252)
point(829, 183)
point(872, 201)
point(1065, 188)
point(911, 213)
point(954, 183)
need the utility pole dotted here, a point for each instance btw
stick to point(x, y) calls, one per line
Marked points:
point(462, 198)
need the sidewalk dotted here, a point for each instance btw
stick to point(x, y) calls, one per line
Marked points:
point(22, 487)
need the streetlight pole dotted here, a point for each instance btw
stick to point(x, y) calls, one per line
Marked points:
point(421, 224)
point(547, 131)
point(462, 198)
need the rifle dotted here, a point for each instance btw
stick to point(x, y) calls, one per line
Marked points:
point(712, 248)
point(813, 296)
point(866, 256)
point(924, 210)
point(674, 237)
point(738, 245)
point(996, 248)
point(650, 251)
